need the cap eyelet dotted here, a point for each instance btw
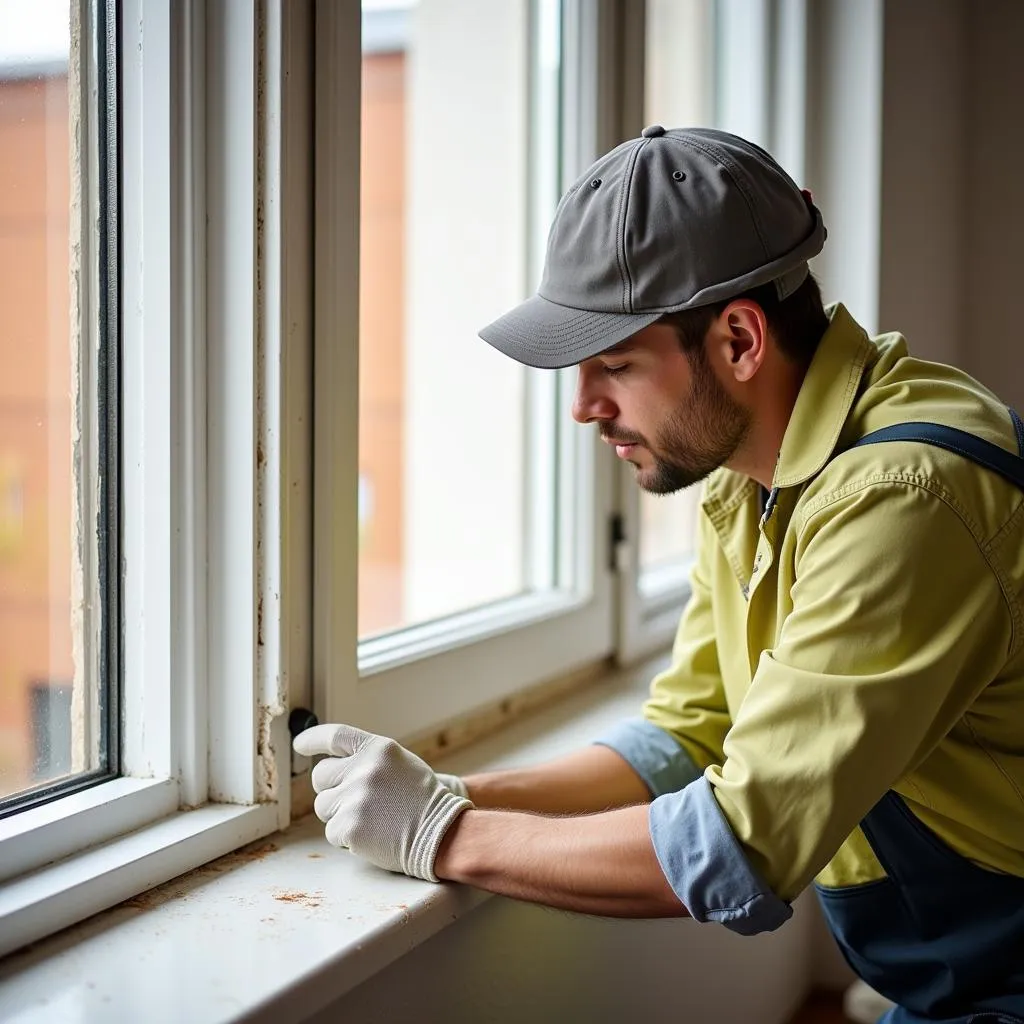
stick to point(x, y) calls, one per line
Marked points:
point(596, 183)
point(678, 176)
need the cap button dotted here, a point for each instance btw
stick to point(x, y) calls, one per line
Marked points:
point(652, 131)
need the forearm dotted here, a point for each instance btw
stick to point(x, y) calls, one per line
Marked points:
point(586, 781)
point(594, 864)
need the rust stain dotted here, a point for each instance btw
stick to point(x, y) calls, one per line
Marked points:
point(305, 899)
point(314, 856)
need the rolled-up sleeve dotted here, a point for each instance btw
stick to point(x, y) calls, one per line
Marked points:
point(652, 753)
point(706, 866)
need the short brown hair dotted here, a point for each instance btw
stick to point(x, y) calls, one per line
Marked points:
point(797, 322)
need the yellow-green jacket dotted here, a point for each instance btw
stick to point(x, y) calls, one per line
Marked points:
point(864, 635)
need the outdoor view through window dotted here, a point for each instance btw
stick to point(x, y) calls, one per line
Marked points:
point(460, 178)
point(49, 700)
point(459, 163)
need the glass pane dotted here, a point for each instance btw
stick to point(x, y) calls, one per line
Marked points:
point(678, 93)
point(50, 723)
point(459, 146)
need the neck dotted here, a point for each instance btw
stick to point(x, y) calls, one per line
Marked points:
point(771, 409)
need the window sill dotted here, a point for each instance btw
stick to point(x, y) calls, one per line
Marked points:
point(38, 904)
point(279, 930)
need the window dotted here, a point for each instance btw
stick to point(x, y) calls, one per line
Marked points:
point(478, 507)
point(471, 536)
point(58, 409)
point(276, 229)
point(154, 441)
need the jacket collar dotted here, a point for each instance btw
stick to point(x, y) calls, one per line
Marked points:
point(825, 399)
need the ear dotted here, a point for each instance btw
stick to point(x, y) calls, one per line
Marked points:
point(742, 334)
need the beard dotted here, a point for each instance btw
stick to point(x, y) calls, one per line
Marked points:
point(699, 437)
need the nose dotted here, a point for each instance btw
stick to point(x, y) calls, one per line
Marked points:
point(590, 402)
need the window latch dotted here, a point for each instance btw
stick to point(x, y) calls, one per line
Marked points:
point(619, 551)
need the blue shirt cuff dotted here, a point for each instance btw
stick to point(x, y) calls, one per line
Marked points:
point(652, 753)
point(704, 863)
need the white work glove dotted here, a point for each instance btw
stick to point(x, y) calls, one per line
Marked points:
point(381, 801)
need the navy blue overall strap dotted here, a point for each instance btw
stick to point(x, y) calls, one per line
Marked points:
point(986, 454)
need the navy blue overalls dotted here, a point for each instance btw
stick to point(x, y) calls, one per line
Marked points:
point(939, 936)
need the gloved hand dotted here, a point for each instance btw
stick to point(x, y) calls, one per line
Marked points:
point(378, 799)
point(454, 783)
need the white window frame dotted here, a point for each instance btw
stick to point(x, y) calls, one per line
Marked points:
point(405, 683)
point(215, 462)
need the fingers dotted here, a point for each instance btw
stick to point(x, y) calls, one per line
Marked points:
point(338, 831)
point(340, 740)
point(325, 806)
point(328, 777)
point(330, 772)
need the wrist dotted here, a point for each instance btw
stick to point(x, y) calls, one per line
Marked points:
point(446, 809)
point(456, 859)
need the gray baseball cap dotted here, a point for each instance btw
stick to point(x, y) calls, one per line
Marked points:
point(670, 221)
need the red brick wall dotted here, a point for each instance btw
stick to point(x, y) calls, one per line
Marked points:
point(381, 327)
point(35, 407)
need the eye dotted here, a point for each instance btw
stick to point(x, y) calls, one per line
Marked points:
point(616, 371)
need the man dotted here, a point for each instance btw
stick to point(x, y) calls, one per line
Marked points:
point(846, 696)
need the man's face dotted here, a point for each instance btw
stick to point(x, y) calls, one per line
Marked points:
point(666, 413)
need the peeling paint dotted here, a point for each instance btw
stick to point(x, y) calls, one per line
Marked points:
point(267, 780)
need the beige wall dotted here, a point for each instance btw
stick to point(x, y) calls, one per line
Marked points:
point(992, 269)
point(917, 145)
point(509, 962)
point(924, 189)
point(952, 226)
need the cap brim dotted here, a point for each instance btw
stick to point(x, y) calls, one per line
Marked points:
point(549, 336)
